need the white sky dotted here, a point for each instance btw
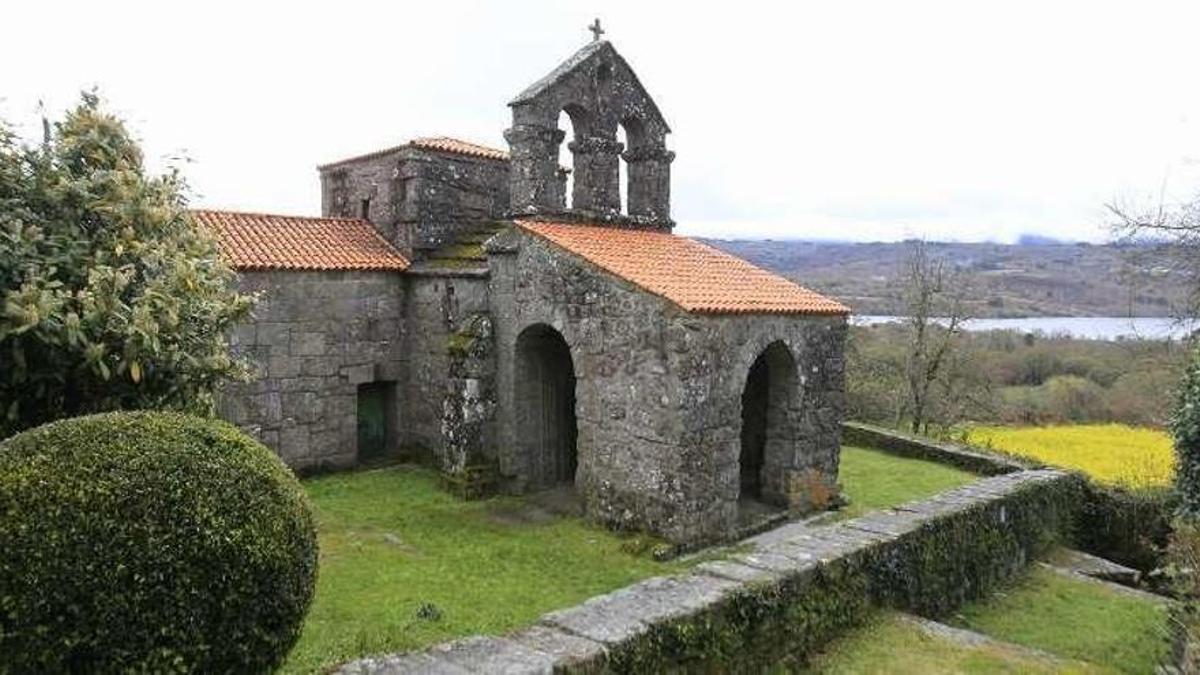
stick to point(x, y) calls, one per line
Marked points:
point(849, 120)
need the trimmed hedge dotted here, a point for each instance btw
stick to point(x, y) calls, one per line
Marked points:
point(149, 542)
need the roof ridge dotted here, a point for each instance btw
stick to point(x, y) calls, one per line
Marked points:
point(263, 214)
point(481, 151)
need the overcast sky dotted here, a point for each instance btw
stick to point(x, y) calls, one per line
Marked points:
point(848, 120)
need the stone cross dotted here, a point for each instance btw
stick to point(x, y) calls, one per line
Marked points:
point(597, 31)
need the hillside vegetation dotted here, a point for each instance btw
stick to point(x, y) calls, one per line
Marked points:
point(1049, 279)
point(1004, 377)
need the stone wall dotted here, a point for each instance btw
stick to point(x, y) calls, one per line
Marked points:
point(658, 391)
point(315, 338)
point(419, 199)
point(447, 386)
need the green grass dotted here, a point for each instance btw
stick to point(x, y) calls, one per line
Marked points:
point(875, 480)
point(888, 644)
point(391, 542)
point(1074, 619)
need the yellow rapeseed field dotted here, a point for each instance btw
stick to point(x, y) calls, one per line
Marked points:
point(1111, 453)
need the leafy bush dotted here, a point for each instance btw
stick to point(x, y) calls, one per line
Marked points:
point(111, 296)
point(1185, 428)
point(149, 542)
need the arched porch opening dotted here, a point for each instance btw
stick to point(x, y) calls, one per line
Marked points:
point(545, 404)
point(767, 431)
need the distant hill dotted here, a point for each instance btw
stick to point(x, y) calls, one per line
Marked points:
point(1041, 278)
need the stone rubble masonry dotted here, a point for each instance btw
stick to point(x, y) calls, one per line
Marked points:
point(316, 336)
point(419, 199)
point(599, 635)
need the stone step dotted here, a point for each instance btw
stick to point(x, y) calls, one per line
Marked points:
point(1095, 566)
point(1116, 588)
point(969, 638)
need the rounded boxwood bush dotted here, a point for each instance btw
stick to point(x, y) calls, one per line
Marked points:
point(149, 542)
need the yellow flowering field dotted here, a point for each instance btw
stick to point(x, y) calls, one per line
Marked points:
point(1111, 453)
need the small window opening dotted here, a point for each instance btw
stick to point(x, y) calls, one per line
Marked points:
point(364, 209)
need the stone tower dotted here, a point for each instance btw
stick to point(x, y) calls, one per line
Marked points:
point(599, 92)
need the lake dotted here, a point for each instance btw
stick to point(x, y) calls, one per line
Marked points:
point(1086, 327)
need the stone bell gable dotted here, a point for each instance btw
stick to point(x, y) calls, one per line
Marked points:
point(600, 92)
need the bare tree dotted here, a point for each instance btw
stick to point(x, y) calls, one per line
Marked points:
point(936, 311)
point(1164, 236)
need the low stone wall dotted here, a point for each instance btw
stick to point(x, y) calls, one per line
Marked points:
point(895, 442)
point(798, 586)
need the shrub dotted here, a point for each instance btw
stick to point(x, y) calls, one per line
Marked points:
point(1185, 429)
point(149, 542)
point(112, 297)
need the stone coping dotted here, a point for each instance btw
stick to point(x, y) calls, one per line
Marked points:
point(579, 639)
point(962, 456)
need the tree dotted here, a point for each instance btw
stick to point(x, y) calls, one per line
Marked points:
point(935, 313)
point(113, 297)
point(1165, 237)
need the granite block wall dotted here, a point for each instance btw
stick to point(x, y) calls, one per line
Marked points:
point(315, 337)
point(419, 199)
point(442, 309)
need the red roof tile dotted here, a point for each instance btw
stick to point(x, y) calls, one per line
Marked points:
point(453, 145)
point(695, 276)
point(258, 241)
point(435, 143)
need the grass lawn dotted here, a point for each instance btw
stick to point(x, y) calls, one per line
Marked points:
point(1110, 453)
point(1091, 628)
point(405, 565)
point(1074, 619)
point(392, 542)
point(875, 480)
point(887, 644)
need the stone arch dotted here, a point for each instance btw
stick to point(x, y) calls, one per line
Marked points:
point(769, 401)
point(547, 431)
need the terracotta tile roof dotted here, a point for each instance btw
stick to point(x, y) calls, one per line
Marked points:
point(259, 241)
point(695, 276)
point(453, 146)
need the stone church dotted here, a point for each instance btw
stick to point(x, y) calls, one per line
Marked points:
point(455, 304)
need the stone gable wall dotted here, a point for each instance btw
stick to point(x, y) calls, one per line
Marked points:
point(315, 337)
point(658, 391)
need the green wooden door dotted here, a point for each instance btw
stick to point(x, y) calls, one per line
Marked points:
point(372, 421)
